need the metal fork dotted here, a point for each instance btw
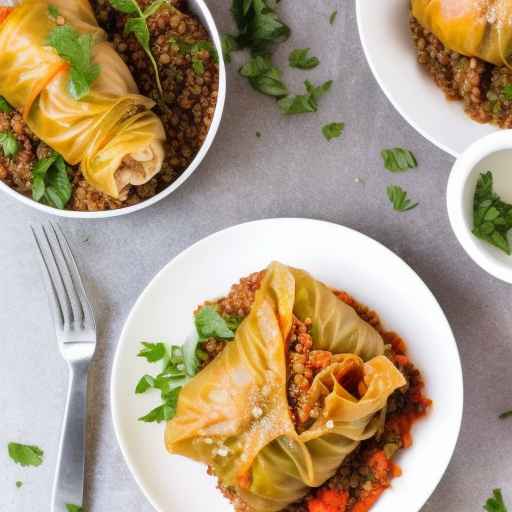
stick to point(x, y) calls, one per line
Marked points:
point(76, 335)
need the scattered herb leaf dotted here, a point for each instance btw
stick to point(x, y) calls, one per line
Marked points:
point(398, 159)
point(4, 106)
point(229, 45)
point(300, 59)
point(50, 182)
point(73, 508)
point(302, 104)
point(264, 77)
point(507, 92)
point(258, 134)
point(210, 324)
point(399, 200)
point(492, 217)
point(332, 130)
point(332, 17)
point(19, 484)
point(153, 352)
point(495, 503)
point(9, 144)
point(505, 415)
point(25, 455)
point(53, 11)
point(76, 49)
point(145, 383)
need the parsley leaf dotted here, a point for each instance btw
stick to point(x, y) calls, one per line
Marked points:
point(507, 92)
point(153, 351)
point(299, 59)
point(495, 503)
point(76, 49)
point(19, 484)
point(53, 11)
point(505, 415)
point(25, 455)
point(332, 130)
point(398, 159)
point(492, 217)
point(332, 17)
point(399, 200)
point(210, 324)
point(264, 77)
point(301, 104)
point(73, 508)
point(137, 25)
point(9, 144)
point(50, 182)
point(4, 106)
point(229, 45)
point(164, 412)
point(145, 383)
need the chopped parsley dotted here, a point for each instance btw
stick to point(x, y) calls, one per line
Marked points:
point(300, 59)
point(50, 181)
point(137, 24)
point(25, 455)
point(505, 415)
point(399, 200)
point(195, 50)
point(398, 159)
point(181, 363)
point(19, 484)
point(9, 144)
point(53, 11)
point(332, 17)
point(73, 508)
point(301, 104)
point(264, 77)
point(495, 503)
point(507, 92)
point(229, 45)
point(333, 130)
point(76, 49)
point(4, 106)
point(258, 134)
point(492, 217)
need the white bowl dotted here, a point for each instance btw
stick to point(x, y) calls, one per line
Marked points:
point(387, 42)
point(338, 256)
point(492, 153)
point(200, 9)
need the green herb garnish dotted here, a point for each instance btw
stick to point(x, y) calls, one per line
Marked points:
point(495, 503)
point(50, 182)
point(229, 45)
point(25, 455)
point(138, 26)
point(492, 217)
point(505, 415)
point(332, 17)
point(181, 363)
point(332, 130)
point(300, 59)
point(301, 104)
point(398, 159)
point(19, 484)
point(194, 50)
point(73, 508)
point(399, 200)
point(76, 49)
point(258, 134)
point(4, 106)
point(507, 92)
point(53, 11)
point(9, 144)
point(264, 77)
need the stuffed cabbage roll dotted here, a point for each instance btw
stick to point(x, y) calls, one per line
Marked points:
point(235, 414)
point(473, 28)
point(111, 131)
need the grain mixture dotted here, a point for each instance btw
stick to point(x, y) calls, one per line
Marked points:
point(190, 85)
point(368, 471)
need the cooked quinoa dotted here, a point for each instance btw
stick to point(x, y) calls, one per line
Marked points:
point(368, 471)
point(478, 84)
point(186, 108)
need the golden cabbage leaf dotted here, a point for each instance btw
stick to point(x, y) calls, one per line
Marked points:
point(111, 132)
point(476, 28)
point(234, 414)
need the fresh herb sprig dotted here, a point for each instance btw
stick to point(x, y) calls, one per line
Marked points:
point(495, 503)
point(194, 50)
point(492, 217)
point(9, 144)
point(181, 363)
point(398, 198)
point(50, 181)
point(137, 24)
point(332, 130)
point(505, 415)
point(301, 59)
point(305, 103)
point(4, 106)
point(398, 159)
point(76, 49)
point(73, 508)
point(332, 17)
point(25, 455)
point(264, 77)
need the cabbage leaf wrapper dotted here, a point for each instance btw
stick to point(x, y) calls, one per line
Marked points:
point(234, 416)
point(111, 132)
point(481, 28)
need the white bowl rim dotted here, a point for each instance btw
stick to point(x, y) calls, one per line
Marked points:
point(217, 116)
point(447, 456)
point(461, 171)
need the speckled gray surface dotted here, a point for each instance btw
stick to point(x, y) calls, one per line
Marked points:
point(290, 171)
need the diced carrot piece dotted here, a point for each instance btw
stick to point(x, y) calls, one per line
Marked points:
point(379, 464)
point(336, 499)
point(396, 470)
point(367, 502)
point(407, 439)
point(402, 360)
point(4, 12)
point(317, 506)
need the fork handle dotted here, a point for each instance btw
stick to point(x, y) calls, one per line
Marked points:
point(68, 487)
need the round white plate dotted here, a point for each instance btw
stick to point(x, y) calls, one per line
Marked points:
point(339, 256)
point(387, 43)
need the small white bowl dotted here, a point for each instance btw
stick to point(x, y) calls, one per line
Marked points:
point(200, 9)
point(491, 153)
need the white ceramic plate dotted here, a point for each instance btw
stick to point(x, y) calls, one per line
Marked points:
point(386, 39)
point(200, 9)
point(342, 258)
